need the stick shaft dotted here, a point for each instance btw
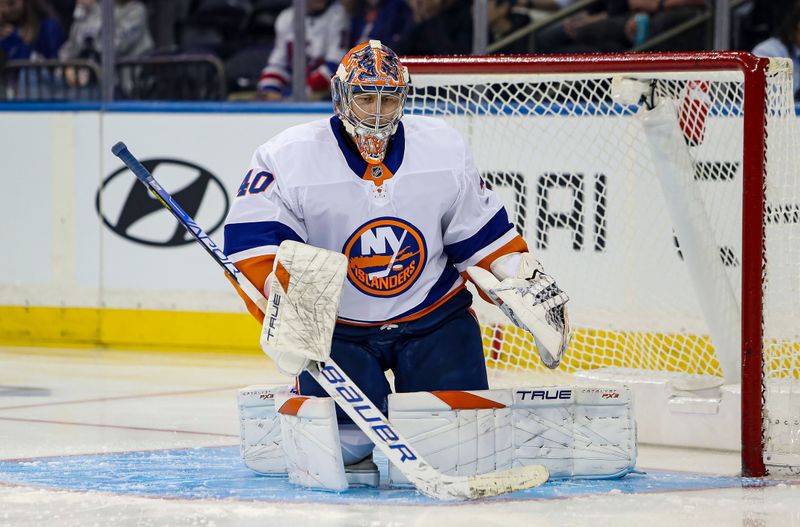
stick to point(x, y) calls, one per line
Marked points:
point(144, 175)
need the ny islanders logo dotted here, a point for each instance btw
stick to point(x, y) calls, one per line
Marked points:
point(385, 256)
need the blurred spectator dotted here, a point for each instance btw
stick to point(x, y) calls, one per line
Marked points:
point(241, 33)
point(618, 25)
point(215, 26)
point(63, 9)
point(760, 19)
point(545, 5)
point(29, 29)
point(652, 17)
point(441, 27)
point(540, 9)
point(327, 38)
point(265, 14)
point(571, 35)
point(785, 43)
point(166, 18)
point(131, 32)
point(504, 21)
point(383, 20)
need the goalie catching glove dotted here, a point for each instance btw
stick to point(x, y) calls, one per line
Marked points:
point(531, 299)
point(304, 291)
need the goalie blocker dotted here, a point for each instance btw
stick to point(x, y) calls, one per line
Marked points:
point(583, 432)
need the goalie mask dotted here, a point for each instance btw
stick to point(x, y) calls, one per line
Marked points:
point(369, 92)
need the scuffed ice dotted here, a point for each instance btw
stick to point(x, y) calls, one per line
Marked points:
point(764, 507)
point(217, 473)
point(136, 439)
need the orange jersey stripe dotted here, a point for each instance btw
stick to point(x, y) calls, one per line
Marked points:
point(466, 401)
point(516, 245)
point(255, 269)
point(409, 318)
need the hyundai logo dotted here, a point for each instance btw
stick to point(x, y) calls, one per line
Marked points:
point(128, 209)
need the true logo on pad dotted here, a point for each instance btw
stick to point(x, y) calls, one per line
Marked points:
point(385, 256)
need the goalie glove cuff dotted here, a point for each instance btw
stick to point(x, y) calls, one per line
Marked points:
point(516, 265)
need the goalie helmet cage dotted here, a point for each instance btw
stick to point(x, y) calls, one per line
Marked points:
point(680, 256)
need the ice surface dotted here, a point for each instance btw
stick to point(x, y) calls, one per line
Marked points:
point(128, 438)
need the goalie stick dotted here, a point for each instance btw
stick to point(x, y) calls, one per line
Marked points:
point(346, 393)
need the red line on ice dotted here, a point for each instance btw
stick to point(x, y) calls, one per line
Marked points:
point(118, 398)
point(123, 427)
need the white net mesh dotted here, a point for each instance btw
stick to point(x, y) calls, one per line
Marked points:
point(638, 217)
point(781, 275)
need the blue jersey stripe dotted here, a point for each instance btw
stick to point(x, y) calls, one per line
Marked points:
point(354, 160)
point(243, 236)
point(494, 228)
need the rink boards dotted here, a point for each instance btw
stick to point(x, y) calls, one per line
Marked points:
point(95, 262)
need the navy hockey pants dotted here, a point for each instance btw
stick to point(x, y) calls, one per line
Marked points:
point(439, 351)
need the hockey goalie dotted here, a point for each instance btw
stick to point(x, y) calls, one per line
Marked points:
point(362, 230)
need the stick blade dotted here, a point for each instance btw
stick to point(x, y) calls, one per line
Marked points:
point(512, 480)
point(482, 485)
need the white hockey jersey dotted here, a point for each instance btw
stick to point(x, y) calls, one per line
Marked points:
point(409, 227)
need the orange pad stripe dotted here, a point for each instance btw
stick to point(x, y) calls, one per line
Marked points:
point(292, 406)
point(458, 400)
point(282, 275)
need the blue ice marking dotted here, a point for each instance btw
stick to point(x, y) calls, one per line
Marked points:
point(215, 473)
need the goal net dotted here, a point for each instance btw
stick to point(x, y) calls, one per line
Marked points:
point(661, 191)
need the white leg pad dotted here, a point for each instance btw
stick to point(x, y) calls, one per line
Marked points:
point(311, 441)
point(573, 431)
point(458, 433)
point(260, 430)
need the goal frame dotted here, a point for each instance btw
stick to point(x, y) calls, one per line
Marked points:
point(754, 70)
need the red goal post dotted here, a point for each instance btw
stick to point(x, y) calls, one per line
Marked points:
point(507, 106)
